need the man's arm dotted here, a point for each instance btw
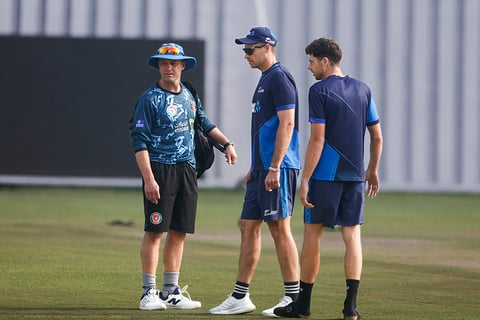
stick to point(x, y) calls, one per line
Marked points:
point(152, 190)
point(312, 156)
point(286, 125)
point(376, 145)
point(230, 153)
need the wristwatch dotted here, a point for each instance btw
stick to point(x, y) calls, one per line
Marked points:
point(229, 143)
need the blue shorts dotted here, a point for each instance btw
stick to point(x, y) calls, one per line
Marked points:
point(177, 207)
point(336, 203)
point(259, 204)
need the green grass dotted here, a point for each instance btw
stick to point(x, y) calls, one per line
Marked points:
point(60, 258)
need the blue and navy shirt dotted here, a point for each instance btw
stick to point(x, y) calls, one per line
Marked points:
point(346, 106)
point(276, 91)
point(163, 125)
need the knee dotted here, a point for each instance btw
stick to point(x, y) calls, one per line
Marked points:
point(152, 236)
point(250, 230)
point(279, 231)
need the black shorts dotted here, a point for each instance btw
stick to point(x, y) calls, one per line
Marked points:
point(177, 207)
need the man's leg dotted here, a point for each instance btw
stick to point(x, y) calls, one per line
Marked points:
point(173, 251)
point(172, 295)
point(310, 265)
point(149, 253)
point(250, 248)
point(353, 251)
point(353, 268)
point(287, 254)
point(310, 257)
point(172, 259)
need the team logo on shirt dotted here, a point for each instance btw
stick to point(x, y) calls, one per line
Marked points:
point(256, 107)
point(192, 105)
point(172, 110)
point(156, 218)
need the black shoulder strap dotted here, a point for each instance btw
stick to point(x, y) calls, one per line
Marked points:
point(193, 91)
point(191, 88)
point(210, 139)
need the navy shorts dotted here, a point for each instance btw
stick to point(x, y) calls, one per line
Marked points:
point(336, 203)
point(259, 204)
point(177, 207)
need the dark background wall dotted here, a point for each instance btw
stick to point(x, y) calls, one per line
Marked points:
point(65, 103)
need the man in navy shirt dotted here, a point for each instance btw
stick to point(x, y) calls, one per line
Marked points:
point(271, 181)
point(332, 187)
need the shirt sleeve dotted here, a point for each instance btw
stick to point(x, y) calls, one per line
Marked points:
point(285, 96)
point(141, 124)
point(316, 106)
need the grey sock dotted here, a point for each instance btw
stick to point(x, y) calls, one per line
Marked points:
point(170, 281)
point(149, 281)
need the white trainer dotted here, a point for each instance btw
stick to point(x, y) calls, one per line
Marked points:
point(151, 301)
point(233, 305)
point(177, 300)
point(286, 300)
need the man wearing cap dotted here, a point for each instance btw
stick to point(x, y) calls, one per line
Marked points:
point(162, 134)
point(271, 180)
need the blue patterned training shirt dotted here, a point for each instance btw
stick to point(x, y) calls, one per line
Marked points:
point(163, 125)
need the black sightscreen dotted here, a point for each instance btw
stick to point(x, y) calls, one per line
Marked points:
point(65, 103)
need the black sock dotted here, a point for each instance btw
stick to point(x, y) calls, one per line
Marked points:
point(350, 304)
point(240, 290)
point(303, 301)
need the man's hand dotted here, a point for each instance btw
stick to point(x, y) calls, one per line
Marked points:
point(303, 195)
point(272, 180)
point(152, 191)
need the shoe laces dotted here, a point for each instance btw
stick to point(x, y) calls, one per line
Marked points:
point(184, 291)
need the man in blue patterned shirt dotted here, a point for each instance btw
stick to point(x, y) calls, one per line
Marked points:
point(162, 133)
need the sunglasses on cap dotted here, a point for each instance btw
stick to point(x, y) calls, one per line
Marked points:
point(250, 51)
point(169, 50)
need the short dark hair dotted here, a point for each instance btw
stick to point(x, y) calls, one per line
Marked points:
point(324, 47)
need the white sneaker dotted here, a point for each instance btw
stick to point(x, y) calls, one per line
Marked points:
point(177, 300)
point(234, 306)
point(151, 301)
point(286, 300)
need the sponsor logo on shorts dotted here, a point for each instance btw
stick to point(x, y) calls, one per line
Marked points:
point(156, 218)
point(270, 212)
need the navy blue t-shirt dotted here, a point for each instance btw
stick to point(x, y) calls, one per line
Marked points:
point(346, 106)
point(276, 91)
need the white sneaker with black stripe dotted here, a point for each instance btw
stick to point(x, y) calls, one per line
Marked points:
point(176, 299)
